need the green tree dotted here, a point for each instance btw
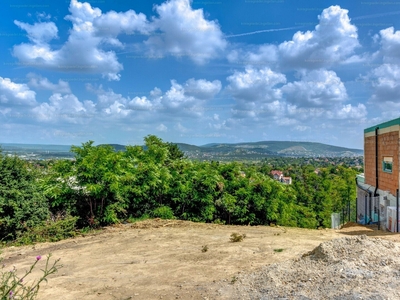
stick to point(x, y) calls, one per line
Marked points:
point(96, 177)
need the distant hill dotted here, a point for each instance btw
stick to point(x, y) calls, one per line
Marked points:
point(258, 150)
point(284, 148)
point(214, 151)
point(294, 148)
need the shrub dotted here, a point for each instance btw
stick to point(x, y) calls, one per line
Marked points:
point(21, 204)
point(163, 212)
point(50, 231)
point(235, 237)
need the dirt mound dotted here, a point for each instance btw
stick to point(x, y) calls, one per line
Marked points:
point(350, 248)
point(355, 267)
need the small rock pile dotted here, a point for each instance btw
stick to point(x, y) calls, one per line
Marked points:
point(354, 267)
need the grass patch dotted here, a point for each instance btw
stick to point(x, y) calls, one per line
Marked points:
point(141, 218)
point(204, 248)
point(236, 237)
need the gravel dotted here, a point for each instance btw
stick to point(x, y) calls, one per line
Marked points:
point(355, 267)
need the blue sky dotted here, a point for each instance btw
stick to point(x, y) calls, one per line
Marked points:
point(197, 71)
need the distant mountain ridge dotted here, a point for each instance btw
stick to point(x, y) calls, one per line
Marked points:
point(263, 148)
point(214, 151)
point(282, 148)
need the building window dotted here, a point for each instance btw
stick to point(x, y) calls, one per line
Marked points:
point(387, 164)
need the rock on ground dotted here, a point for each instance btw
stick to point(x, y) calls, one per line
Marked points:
point(355, 267)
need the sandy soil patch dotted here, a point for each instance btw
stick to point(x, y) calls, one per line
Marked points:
point(164, 259)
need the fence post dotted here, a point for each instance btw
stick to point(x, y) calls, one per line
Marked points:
point(348, 211)
point(370, 210)
point(366, 210)
point(379, 219)
point(343, 219)
point(356, 210)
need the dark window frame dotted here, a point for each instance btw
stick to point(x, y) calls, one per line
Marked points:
point(387, 166)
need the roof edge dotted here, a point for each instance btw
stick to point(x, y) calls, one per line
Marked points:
point(383, 125)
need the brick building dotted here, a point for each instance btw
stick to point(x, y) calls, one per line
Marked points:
point(377, 188)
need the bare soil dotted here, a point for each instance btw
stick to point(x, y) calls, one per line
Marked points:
point(171, 259)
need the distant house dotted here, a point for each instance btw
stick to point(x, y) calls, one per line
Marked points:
point(378, 186)
point(277, 174)
point(286, 180)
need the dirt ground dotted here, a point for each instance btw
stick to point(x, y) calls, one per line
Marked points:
point(166, 259)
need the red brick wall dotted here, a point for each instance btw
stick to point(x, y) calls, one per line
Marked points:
point(388, 145)
point(369, 160)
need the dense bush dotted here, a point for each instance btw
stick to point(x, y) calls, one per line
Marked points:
point(156, 180)
point(163, 212)
point(22, 205)
point(102, 186)
point(49, 231)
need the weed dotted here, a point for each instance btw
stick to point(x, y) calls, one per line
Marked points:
point(204, 248)
point(278, 250)
point(236, 237)
point(234, 279)
point(14, 287)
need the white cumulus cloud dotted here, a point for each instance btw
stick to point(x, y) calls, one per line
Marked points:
point(82, 52)
point(184, 32)
point(255, 84)
point(317, 88)
point(390, 45)
point(66, 108)
point(348, 111)
point(39, 33)
point(179, 30)
point(333, 41)
point(202, 89)
point(38, 82)
point(15, 94)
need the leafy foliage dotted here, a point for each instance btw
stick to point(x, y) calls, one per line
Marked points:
point(49, 231)
point(21, 203)
point(163, 212)
point(102, 186)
